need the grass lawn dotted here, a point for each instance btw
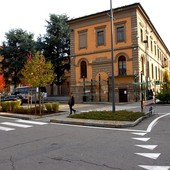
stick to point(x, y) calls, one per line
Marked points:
point(122, 115)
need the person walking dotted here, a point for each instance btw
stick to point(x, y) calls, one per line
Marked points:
point(71, 103)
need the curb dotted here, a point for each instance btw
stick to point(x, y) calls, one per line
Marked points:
point(82, 122)
point(121, 124)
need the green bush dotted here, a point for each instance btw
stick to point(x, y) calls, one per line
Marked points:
point(5, 106)
point(10, 106)
point(55, 106)
point(48, 106)
point(26, 110)
point(15, 105)
point(164, 96)
point(21, 110)
point(52, 107)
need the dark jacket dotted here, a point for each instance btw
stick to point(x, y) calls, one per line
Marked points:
point(71, 101)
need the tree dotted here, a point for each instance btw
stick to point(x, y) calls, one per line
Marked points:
point(164, 94)
point(166, 81)
point(18, 45)
point(2, 82)
point(55, 46)
point(38, 73)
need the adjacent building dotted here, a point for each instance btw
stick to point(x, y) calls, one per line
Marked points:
point(140, 56)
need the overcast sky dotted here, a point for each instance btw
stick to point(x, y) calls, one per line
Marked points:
point(31, 15)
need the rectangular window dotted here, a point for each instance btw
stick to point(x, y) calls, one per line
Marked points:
point(156, 76)
point(147, 41)
point(100, 37)
point(151, 46)
point(82, 39)
point(155, 50)
point(152, 72)
point(122, 68)
point(141, 35)
point(121, 34)
point(158, 53)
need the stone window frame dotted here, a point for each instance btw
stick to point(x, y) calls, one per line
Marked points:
point(98, 30)
point(120, 25)
point(82, 39)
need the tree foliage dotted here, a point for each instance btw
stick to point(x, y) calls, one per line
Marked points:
point(55, 45)
point(166, 81)
point(15, 49)
point(37, 72)
point(2, 82)
point(164, 94)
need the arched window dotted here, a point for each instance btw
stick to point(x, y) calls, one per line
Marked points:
point(122, 65)
point(83, 69)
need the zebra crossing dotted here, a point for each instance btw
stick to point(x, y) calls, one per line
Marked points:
point(19, 123)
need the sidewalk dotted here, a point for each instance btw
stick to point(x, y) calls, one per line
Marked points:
point(62, 118)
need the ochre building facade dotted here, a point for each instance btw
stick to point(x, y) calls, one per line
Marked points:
point(140, 56)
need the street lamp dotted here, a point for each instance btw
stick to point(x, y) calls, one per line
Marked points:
point(112, 55)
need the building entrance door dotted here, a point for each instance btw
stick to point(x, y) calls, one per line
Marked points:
point(122, 95)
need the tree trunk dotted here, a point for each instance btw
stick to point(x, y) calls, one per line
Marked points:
point(39, 97)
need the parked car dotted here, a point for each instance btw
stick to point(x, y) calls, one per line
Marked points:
point(13, 98)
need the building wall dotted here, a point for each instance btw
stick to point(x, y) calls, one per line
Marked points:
point(98, 58)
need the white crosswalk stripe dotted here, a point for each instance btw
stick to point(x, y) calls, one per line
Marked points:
point(16, 124)
point(155, 167)
point(8, 126)
point(31, 122)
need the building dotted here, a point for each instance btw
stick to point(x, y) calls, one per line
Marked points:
point(140, 56)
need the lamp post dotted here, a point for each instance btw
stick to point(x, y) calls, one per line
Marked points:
point(108, 89)
point(147, 68)
point(91, 90)
point(84, 90)
point(99, 88)
point(112, 55)
point(141, 92)
point(135, 86)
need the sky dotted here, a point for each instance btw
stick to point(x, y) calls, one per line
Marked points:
point(31, 15)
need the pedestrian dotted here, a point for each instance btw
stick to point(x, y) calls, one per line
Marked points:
point(71, 103)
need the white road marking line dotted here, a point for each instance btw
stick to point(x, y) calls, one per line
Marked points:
point(150, 127)
point(102, 128)
point(149, 155)
point(16, 124)
point(6, 128)
point(141, 134)
point(154, 122)
point(31, 122)
point(154, 167)
point(150, 147)
point(142, 139)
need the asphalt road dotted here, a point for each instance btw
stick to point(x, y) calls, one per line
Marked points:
point(41, 145)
